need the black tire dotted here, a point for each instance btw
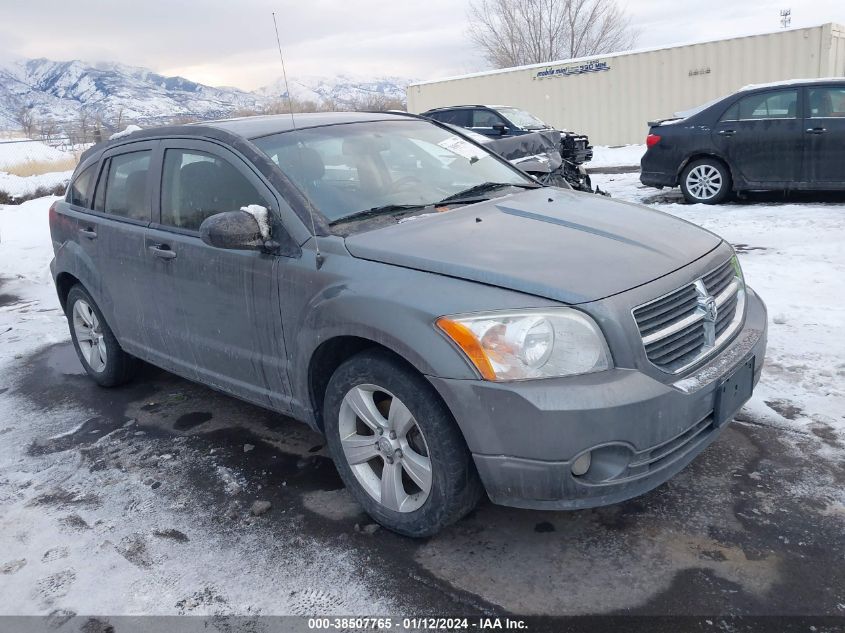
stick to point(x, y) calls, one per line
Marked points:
point(119, 367)
point(699, 179)
point(455, 485)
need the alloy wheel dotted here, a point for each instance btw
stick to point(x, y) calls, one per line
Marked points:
point(704, 182)
point(385, 448)
point(89, 335)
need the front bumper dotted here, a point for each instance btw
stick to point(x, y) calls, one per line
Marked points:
point(524, 436)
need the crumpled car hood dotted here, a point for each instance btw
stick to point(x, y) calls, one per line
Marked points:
point(562, 245)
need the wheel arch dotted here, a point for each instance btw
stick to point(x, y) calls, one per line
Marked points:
point(331, 354)
point(705, 154)
point(64, 282)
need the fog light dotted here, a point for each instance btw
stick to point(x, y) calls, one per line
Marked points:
point(582, 464)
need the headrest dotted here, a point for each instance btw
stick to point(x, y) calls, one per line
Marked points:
point(303, 164)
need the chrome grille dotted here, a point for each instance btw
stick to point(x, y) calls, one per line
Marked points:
point(689, 323)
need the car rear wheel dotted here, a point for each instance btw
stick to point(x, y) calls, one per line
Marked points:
point(706, 181)
point(397, 447)
point(99, 352)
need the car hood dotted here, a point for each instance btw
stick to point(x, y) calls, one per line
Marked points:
point(566, 246)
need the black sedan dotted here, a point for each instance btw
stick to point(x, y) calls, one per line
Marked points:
point(783, 136)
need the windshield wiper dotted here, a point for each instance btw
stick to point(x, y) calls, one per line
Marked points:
point(484, 187)
point(386, 209)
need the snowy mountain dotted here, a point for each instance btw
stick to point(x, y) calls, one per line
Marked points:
point(342, 90)
point(60, 91)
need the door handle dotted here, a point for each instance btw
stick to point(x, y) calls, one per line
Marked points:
point(88, 232)
point(727, 132)
point(816, 130)
point(163, 251)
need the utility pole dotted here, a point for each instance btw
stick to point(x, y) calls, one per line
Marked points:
point(785, 18)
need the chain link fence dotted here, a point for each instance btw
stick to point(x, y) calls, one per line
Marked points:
point(38, 159)
point(32, 167)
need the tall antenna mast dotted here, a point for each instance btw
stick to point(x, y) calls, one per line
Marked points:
point(319, 255)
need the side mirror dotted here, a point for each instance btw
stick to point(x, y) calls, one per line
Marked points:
point(501, 128)
point(238, 230)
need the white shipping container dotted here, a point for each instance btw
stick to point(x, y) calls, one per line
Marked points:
point(612, 97)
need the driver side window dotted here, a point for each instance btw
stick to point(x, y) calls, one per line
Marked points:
point(485, 118)
point(196, 185)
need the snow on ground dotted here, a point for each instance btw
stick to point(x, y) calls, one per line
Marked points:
point(141, 547)
point(15, 152)
point(620, 156)
point(793, 255)
point(20, 186)
point(71, 518)
point(35, 319)
point(20, 152)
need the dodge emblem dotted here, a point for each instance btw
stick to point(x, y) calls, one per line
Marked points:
point(711, 310)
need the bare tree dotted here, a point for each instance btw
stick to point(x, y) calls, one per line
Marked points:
point(48, 131)
point(518, 32)
point(26, 119)
point(184, 119)
point(118, 122)
point(376, 102)
point(285, 106)
point(83, 123)
point(329, 104)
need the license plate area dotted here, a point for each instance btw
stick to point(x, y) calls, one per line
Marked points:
point(733, 392)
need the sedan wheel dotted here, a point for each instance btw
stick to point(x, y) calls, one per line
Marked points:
point(385, 448)
point(706, 181)
point(89, 335)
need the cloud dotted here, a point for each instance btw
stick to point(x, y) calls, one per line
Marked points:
point(233, 43)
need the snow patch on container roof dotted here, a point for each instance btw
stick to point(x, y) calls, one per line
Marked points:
point(793, 82)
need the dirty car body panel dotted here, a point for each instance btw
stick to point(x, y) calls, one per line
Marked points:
point(252, 323)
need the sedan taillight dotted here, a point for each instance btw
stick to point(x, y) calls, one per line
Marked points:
point(652, 139)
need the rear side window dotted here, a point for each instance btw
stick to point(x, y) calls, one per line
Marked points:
point(782, 104)
point(827, 102)
point(126, 185)
point(196, 185)
point(453, 117)
point(82, 188)
point(732, 113)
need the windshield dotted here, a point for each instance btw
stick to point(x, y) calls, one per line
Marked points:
point(521, 118)
point(350, 168)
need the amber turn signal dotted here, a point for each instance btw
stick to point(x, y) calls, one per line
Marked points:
point(465, 339)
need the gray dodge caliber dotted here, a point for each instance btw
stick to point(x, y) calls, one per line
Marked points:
point(451, 326)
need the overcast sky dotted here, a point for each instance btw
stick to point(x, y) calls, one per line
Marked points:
point(231, 42)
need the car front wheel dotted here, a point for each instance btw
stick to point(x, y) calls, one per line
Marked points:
point(706, 181)
point(397, 447)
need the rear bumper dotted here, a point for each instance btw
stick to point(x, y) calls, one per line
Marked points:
point(657, 179)
point(524, 436)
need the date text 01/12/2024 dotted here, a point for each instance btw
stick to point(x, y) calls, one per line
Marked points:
point(417, 623)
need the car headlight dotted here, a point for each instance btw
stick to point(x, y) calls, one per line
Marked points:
point(527, 344)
